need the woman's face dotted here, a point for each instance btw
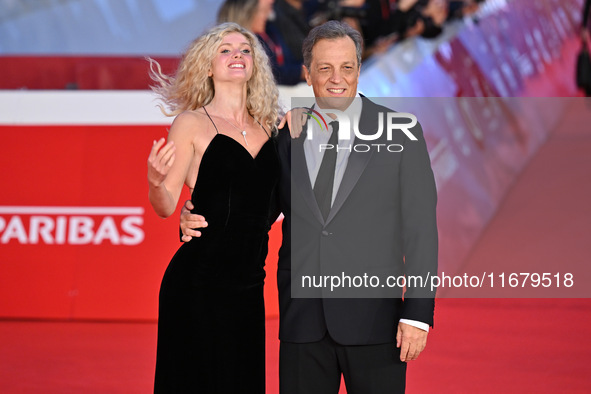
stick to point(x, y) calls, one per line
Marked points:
point(233, 59)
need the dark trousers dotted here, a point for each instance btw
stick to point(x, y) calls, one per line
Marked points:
point(316, 368)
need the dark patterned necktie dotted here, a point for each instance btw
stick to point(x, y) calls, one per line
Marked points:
point(325, 179)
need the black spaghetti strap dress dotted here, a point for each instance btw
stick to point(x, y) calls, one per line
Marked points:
point(211, 324)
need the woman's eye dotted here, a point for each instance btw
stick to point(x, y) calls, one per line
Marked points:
point(246, 51)
point(225, 51)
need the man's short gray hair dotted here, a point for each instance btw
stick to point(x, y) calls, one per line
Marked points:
point(329, 31)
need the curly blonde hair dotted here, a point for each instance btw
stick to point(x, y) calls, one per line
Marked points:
point(191, 87)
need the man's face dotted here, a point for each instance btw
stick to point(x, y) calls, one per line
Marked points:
point(333, 72)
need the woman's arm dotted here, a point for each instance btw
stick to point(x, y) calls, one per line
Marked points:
point(168, 164)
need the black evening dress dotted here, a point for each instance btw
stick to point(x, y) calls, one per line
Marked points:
point(211, 324)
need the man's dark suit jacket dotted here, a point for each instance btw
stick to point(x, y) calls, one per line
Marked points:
point(386, 205)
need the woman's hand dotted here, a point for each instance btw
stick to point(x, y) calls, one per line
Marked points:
point(160, 160)
point(295, 119)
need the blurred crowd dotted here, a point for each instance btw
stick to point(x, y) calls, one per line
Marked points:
point(281, 25)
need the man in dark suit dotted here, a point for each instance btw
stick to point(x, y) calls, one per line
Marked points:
point(351, 211)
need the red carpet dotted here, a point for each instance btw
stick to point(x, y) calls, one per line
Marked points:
point(517, 345)
point(477, 346)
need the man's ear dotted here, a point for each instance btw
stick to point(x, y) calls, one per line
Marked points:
point(307, 75)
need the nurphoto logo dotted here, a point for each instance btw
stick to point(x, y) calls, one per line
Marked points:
point(394, 122)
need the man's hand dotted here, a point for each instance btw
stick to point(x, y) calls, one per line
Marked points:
point(411, 341)
point(190, 221)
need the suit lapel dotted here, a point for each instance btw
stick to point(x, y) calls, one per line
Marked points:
point(368, 124)
point(300, 177)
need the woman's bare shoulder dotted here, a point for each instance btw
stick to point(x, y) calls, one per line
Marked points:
point(194, 123)
point(192, 117)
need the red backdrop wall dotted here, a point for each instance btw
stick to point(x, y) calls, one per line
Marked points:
point(78, 237)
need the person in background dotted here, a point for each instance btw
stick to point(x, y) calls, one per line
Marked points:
point(254, 15)
point(382, 23)
point(291, 21)
point(423, 18)
point(211, 318)
point(459, 9)
point(583, 67)
point(585, 22)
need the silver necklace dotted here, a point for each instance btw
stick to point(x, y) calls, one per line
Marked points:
point(243, 132)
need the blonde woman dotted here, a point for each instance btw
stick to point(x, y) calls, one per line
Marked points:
point(211, 332)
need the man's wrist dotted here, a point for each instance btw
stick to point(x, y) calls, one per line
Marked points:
point(415, 323)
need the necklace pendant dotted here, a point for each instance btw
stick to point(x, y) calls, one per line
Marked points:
point(244, 135)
